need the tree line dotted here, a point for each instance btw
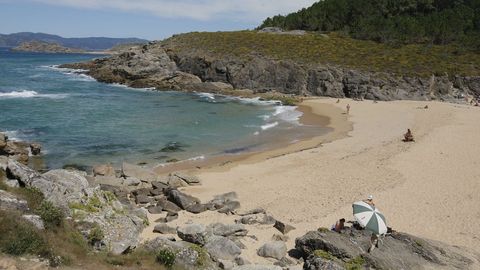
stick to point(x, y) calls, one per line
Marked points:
point(390, 21)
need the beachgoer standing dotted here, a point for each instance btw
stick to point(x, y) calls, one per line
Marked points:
point(348, 108)
point(373, 242)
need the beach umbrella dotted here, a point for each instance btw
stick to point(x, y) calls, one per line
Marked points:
point(369, 217)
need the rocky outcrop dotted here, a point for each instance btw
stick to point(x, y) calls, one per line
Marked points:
point(330, 250)
point(45, 47)
point(160, 65)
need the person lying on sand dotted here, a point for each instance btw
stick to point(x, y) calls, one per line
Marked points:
point(339, 226)
point(408, 137)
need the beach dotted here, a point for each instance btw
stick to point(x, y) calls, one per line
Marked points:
point(429, 188)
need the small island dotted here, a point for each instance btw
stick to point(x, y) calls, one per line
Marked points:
point(45, 47)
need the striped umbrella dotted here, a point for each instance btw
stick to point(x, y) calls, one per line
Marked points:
point(369, 217)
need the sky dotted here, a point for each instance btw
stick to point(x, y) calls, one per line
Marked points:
point(149, 19)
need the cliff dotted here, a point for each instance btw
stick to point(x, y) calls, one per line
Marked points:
point(301, 64)
point(39, 46)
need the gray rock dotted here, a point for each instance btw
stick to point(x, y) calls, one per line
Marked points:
point(160, 185)
point(397, 251)
point(226, 265)
point(104, 170)
point(168, 206)
point(229, 207)
point(164, 229)
point(263, 219)
point(280, 237)
point(257, 267)
point(168, 218)
point(273, 249)
point(3, 140)
point(282, 227)
point(250, 212)
point(191, 180)
point(130, 170)
point(142, 199)
point(318, 263)
point(176, 182)
point(181, 199)
point(193, 233)
point(222, 248)
point(109, 181)
point(162, 242)
point(228, 230)
point(35, 149)
point(12, 183)
point(35, 220)
point(197, 208)
point(239, 260)
point(156, 192)
point(131, 181)
point(3, 163)
point(155, 209)
point(9, 201)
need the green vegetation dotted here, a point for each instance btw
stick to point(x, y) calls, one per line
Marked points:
point(93, 204)
point(323, 254)
point(355, 263)
point(387, 21)
point(96, 235)
point(51, 215)
point(333, 49)
point(202, 255)
point(323, 230)
point(166, 257)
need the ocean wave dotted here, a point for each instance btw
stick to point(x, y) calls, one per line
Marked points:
point(30, 94)
point(269, 126)
point(12, 134)
point(288, 114)
point(209, 96)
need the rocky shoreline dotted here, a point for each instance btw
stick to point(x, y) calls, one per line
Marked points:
point(117, 202)
point(164, 66)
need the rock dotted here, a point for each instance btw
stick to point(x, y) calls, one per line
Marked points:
point(222, 248)
point(191, 180)
point(73, 181)
point(273, 249)
point(12, 183)
point(142, 199)
point(164, 229)
point(131, 181)
point(318, 263)
point(168, 218)
point(176, 182)
point(280, 237)
point(3, 140)
point(169, 206)
point(397, 251)
point(229, 207)
point(160, 185)
point(155, 209)
point(197, 208)
point(157, 192)
point(9, 201)
point(193, 233)
point(35, 220)
point(284, 262)
point(108, 180)
point(228, 230)
point(35, 148)
point(141, 191)
point(282, 227)
point(250, 212)
point(181, 199)
point(241, 261)
point(145, 175)
point(163, 242)
point(3, 163)
point(104, 170)
point(257, 267)
point(263, 219)
point(226, 265)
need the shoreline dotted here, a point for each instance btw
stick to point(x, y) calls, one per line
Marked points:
point(315, 187)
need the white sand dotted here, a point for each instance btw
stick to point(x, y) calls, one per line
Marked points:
point(429, 188)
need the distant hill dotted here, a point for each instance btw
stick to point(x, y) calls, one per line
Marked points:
point(45, 47)
point(88, 43)
point(387, 21)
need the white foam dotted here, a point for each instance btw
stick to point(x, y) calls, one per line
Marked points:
point(196, 158)
point(206, 95)
point(269, 126)
point(11, 134)
point(288, 114)
point(30, 94)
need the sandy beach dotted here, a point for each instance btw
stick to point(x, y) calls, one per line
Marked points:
point(428, 188)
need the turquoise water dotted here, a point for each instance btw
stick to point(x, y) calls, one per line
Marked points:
point(81, 121)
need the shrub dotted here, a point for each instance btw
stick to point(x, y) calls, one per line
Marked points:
point(166, 257)
point(96, 235)
point(202, 255)
point(51, 215)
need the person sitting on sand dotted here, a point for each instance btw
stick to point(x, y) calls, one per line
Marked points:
point(369, 200)
point(408, 136)
point(339, 226)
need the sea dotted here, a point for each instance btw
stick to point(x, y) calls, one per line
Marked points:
point(82, 122)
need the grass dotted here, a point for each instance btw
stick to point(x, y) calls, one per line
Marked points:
point(355, 263)
point(166, 257)
point(51, 215)
point(202, 255)
point(335, 49)
point(323, 254)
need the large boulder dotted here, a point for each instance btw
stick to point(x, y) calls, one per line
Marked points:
point(168, 206)
point(273, 249)
point(35, 148)
point(104, 170)
point(9, 201)
point(221, 229)
point(193, 233)
point(222, 248)
point(395, 251)
point(191, 180)
point(164, 229)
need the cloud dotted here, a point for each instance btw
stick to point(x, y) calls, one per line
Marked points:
point(205, 10)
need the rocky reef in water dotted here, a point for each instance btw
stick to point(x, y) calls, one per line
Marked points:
point(45, 47)
point(170, 64)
